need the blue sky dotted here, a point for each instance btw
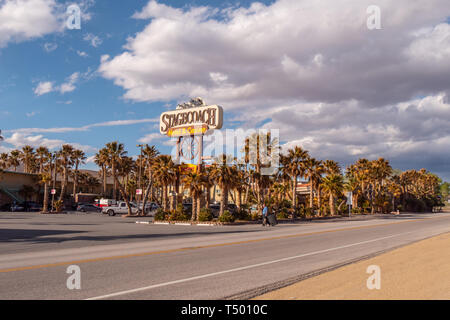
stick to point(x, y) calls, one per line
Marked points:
point(311, 69)
point(55, 57)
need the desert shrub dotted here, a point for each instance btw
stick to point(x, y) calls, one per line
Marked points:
point(160, 215)
point(356, 210)
point(179, 216)
point(205, 215)
point(283, 213)
point(242, 214)
point(58, 205)
point(226, 217)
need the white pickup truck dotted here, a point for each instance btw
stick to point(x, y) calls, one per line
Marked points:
point(119, 208)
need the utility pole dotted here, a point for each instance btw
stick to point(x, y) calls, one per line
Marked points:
point(139, 179)
point(54, 179)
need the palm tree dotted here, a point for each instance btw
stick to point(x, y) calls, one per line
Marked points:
point(78, 157)
point(195, 182)
point(101, 159)
point(293, 165)
point(4, 164)
point(164, 171)
point(115, 151)
point(333, 184)
point(150, 153)
point(223, 175)
point(311, 167)
point(45, 179)
point(13, 160)
point(65, 158)
point(42, 156)
point(27, 157)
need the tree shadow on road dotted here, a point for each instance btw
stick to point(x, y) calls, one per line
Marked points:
point(55, 236)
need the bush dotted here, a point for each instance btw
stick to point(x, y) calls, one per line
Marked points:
point(226, 217)
point(243, 214)
point(160, 215)
point(179, 216)
point(205, 215)
point(283, 214)
point(356, 210)
point(58, 205)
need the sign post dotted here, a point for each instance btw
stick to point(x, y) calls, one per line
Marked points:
point(349, 202)
point(188, 124)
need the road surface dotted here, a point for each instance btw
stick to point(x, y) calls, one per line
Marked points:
point(120, 259)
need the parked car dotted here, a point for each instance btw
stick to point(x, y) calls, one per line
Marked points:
point(17, 208)
point(6, 207)
point(120, 208)
point(215, 209)
point(150, 208)
point(32, 206)
point(87, 207)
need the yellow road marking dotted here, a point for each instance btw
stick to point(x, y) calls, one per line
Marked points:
point(57, 264)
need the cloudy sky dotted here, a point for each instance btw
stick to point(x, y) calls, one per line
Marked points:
point(310, 68)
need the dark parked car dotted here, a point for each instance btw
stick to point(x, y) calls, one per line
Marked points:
point(17, 208)
point(88, 208)
point(6, 207)
point(215, 209)
point(32, 207)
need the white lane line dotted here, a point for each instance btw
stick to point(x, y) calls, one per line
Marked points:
point(241, 268)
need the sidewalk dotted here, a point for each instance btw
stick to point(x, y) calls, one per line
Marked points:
point(418, 271)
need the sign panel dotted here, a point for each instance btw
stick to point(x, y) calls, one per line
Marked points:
point(53, 191)
point(187, 131)
point(138, 191)
point(185, 168)
point(349, 197)
point(209, 117)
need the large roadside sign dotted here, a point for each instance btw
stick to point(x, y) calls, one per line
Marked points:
point(191, 121)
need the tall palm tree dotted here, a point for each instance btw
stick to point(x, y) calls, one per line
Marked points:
point(164, 171)
point(78, 157)
point(333, 184)
point(4, 161)
point(45, 179)
point(311, 167)
point(115, 151)
point(150, 153)
point(293, 165)
point(101, 160)
point(42, 154)
point(27, 158)
point(13, 160)
point(223, 175)
point(65, 158)
point(195, 182)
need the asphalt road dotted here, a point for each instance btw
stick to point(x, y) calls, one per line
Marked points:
point(120, 259)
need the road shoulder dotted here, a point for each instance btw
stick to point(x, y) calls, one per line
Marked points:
point(416, 271)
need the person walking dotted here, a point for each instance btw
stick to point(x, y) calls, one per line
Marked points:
point(264, 215)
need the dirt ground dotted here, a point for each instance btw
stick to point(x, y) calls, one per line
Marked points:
point(417, 271)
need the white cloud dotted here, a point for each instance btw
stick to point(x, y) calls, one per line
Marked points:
point(27, 19)
point(43, 88)
point(150, 137)
point(309, 68)
point(49, 47)
point(94, 40)
point(68, 86)
point(31, 114)
point(19, 140)
point(83, 128)
point(82, 54)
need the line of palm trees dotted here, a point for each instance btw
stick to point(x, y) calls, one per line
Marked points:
point(375, 186)
point(48, 165)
